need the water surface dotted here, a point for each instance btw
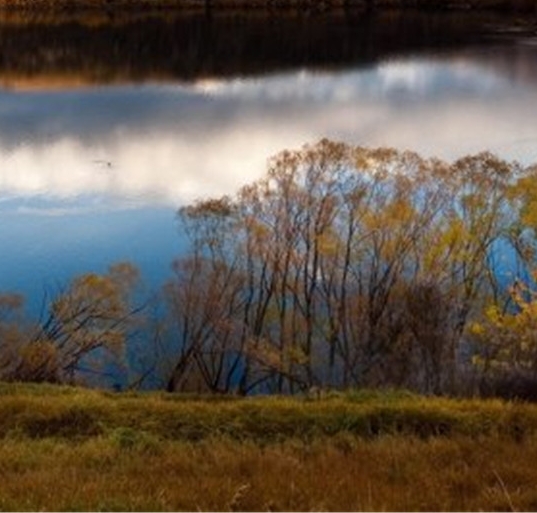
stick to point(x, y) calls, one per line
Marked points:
point(99, 146)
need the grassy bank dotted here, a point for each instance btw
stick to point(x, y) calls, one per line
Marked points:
point(65, 448)
point(314, 5)
point(76, 414)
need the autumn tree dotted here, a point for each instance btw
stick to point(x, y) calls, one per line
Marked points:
point(506, 332)
point(85, 328)
point(330, 271)
point(205, 303)
point(12, 331)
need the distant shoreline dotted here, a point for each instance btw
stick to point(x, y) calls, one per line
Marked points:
point(274, 5)
point(51, 49)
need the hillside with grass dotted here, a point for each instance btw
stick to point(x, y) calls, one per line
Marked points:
point(65, 448)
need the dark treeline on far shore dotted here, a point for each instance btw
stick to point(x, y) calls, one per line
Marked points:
point(344, 267)
point(41, 48)
point(226, 5)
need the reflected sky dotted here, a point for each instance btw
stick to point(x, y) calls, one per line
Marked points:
point(165, 145)
point(93, 175)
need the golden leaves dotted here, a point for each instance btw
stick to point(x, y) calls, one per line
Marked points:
point(38, 362)
point(92, 314)
point(510, 335)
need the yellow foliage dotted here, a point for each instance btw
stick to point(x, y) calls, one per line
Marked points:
point(494, 315)
point(328, 243)
point(39, 361)
point(510, 336)
point(477, 329)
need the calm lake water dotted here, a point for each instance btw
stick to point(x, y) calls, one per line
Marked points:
point(108, 125)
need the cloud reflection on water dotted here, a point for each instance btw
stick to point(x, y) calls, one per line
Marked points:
point(169, 144)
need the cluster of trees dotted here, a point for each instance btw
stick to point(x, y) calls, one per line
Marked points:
point(352, 267)
point(342, 267)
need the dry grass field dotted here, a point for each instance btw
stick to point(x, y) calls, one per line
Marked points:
point(66, 448)
point(126, 472)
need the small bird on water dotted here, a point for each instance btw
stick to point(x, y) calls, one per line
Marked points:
point(105, 163)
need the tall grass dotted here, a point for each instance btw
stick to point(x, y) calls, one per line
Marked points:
point(65, 448)
point(343, 473)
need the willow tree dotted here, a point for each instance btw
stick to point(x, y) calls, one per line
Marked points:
point(205, 301)
point(331, 270)
point(506, 332)
point(85, 328)
point(12, 331)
